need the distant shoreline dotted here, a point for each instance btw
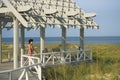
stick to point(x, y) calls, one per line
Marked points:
point(74, 40)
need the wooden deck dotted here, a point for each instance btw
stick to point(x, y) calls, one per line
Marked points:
point(15, 75)
point(6, 66)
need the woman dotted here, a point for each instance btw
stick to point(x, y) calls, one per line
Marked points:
point(30, 47)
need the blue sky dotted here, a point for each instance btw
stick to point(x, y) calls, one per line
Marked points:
point(108, 18)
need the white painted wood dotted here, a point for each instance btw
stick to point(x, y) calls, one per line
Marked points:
point(89, 14)
point(61, 8)
point(0, 44)
point(23, 8)
point(1, 4)
point(42, 39)
point(63, 38)
point(72, 13)
point(15, 42)
point(4, 10)
point(10, 76)
point(32, 20)
point(50, 11)
point(16, 14)
point(22, 43)
point(82, 38)
point(22, 74)
point(26, 75)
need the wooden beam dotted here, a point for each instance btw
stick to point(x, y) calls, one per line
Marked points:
point(23, 8)
point(89, 15)
point(16, 13)
point(4, 10)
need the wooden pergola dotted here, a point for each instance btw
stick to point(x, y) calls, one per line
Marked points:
point(34, 14)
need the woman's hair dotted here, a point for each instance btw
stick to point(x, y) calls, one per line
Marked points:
point(30, 40)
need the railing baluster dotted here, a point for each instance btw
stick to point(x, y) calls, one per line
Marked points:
point(53, 57)
point(27, 77)
point(9, 75)
point(39, 72)
point(43, 58)
point(22, 60)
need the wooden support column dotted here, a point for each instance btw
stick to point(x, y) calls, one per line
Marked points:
point(0, 44)
point(82, 38)
point(22, 43)
point(16, 44)
point(64, 38)
point(63, 42)
point(42, 39)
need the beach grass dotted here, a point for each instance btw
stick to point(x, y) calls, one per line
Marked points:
point(105, 64)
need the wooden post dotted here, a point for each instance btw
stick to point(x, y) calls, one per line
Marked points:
point(9, 75)
point(22, 43)
point(82, 38)
point(42, 40)
point(16, 40)
point(0, 44)
point(63, 42)
point(64, 38)
point(82, 41)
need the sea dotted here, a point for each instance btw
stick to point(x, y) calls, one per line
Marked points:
point(76, 40)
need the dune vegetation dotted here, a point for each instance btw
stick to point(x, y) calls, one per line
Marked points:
point(104, 66)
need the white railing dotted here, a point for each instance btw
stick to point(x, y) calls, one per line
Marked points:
point(68, 56)
point(54, 57)
point(24, 73)
point(77, 55)
point(28, 60)
point(31, 62)
point(51, 58)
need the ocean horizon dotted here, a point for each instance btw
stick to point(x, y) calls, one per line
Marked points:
point(76, 40)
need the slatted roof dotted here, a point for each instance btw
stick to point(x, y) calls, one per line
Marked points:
point(39, 13)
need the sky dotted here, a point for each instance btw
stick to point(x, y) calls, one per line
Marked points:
point(108, 19)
